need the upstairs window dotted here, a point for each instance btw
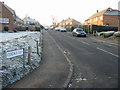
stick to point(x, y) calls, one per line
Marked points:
point(101, 17)
point(90, 21)
point(96, 19)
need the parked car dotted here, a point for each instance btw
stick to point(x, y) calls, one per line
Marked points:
point(46, 28)
point(57, 29)
point(62, 29)
point(79, 32)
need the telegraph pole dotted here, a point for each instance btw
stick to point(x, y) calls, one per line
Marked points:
point(119, 16)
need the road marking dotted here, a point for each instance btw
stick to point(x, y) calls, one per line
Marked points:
point(84, 42)
point(107, 52)
point(79, 40)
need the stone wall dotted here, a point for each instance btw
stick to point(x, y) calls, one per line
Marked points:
point(15, 68)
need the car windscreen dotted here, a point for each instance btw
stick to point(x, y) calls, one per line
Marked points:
point(79, 30)
point(62, 28)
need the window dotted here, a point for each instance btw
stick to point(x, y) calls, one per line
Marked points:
point(90, 21)
point(96, 19)
point(66, 23)
point(79, 30)
point(101, 18)
point(4, 20)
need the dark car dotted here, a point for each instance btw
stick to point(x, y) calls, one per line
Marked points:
point(79, 32)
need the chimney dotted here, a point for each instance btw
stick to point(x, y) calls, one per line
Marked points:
point(97, 11)
point(110, 9)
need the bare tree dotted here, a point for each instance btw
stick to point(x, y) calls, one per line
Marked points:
point(54, 20)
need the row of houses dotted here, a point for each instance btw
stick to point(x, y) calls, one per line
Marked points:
point(9, 19)
point(106, 17)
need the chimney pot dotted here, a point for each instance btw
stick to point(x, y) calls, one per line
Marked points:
point(97, 11)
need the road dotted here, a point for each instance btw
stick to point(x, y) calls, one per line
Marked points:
point(95, 63)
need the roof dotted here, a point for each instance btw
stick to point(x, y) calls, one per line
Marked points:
point(75, 21)
point(71, 20)
point(10, 9)
point(112, 12)
point(28, 19)
point(107, 11)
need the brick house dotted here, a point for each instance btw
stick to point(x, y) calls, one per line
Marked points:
point(18, 22)
point(69, 22)
point(107, 16)
point(7, 17)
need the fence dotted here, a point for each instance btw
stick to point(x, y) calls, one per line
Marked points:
point(90, 29)
point(20, 56)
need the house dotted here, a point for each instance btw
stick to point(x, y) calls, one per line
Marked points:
point(31, 23)
point(18, 22)
point(28, 20)
point(107, 17)
point(7, 17)
point(69, 22)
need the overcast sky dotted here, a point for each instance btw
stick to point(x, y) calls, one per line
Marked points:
point(43, 10)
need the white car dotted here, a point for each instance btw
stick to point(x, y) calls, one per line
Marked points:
point(62, 29)
point(57, 29)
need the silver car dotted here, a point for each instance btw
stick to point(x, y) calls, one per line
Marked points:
point(79, 32)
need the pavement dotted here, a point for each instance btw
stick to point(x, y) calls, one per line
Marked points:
point(53, 71)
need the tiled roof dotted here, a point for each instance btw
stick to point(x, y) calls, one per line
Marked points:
point(98, 14)
point(10, 9)
point(28, 19)
point(75, 21)
point(71, 20)
point(107, 11)
point(112, 12)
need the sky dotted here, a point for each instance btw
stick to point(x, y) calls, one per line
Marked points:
point(44, 10)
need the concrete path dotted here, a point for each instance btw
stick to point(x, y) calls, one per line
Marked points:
point(53, 71)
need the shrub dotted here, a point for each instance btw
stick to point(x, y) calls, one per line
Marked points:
point(6, 28)
point(68, 29)
point(117, 34)
point(37, 28)
point(108, 34)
